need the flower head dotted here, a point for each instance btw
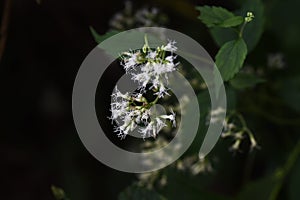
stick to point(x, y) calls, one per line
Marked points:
point(150, 68)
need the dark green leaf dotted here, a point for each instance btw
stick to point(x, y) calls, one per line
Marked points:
point(230, 58)
point(99, 38)
point(223, 35)
point(243, 80)
point(231, 22)
point(218, 16)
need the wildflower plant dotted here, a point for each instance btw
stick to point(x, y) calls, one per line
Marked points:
point(150, 69)
point(236, 33)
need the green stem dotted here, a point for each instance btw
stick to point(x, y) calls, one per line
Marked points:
point(242, 29)
point(242, 120)
point(146, 40)
point(154, 102)
point(284, 171)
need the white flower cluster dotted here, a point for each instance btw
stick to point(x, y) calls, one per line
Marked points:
point(130, 18)
point(150, 69)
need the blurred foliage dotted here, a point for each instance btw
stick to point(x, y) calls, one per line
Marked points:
point(244, 80)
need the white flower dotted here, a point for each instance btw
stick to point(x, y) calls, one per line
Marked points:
point(142, 78)
point(162, 91)
point(152, 69)
point(171, 117)
point(159, 124)
point(152, 128)
point(119, 106)
point(130, 60)
point(170, 46)
point(152, 55)
point(148, 68)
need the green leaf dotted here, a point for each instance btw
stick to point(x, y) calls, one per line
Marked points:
point(243, 80)
point(223, 35)
point(99, 38)
point(218, 16)
point(230, 58)
point(135, 192)
point(231, 22)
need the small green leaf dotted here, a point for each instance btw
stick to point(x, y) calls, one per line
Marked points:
point(243, 80)
point(230, 58)
point(231, 22)
point(218, 16)
point(99, 38)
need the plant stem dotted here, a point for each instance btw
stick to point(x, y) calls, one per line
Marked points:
point(281, 173)
point(242, 29)
point(155, 101)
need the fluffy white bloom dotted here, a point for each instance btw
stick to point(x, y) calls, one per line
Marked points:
point(161, 90)
point(171, 117)
point(153, 128)
point(128, 117)
point(159, 123)
point(170, 46)
point(152, 55)
point(130, 60)
point(150, 69)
